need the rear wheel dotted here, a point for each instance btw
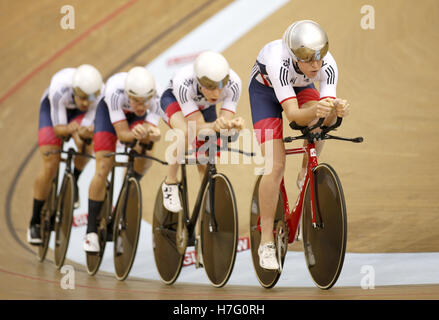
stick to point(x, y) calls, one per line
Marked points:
point(168, 257)
point(47, 218)
point(325, 246)
point(219, 246)
point(127, 228)
point(63, 220)
point(267, 278)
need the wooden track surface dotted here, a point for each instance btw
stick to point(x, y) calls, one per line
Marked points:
point(388, 74)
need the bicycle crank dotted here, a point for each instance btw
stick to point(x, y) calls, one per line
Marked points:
point(182, 235)
point(281, 239)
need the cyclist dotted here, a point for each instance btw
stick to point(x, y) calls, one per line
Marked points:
point(191, 96)
point(282, 79)
point(129, 110)
point(67, 108)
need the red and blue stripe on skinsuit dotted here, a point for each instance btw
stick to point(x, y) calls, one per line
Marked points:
point(46, 134)
point(105, 138)
point(267, 110)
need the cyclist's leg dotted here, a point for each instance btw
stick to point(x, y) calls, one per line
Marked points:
point(104, 142)
point(269, 186)
point(176, 121)
point(267, 122)
point(47, 142)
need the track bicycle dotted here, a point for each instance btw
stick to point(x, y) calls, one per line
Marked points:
point(320, 210)
point(121, 225)
point(57, 212)
point(215, 212)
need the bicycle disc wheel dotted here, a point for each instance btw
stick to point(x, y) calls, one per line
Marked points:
point(167, 258)
point(63, 220)
point(218, 248)
point(94, 259)
point(46, 219)
point(267, 278)
point(325, 247)
point(127, 228)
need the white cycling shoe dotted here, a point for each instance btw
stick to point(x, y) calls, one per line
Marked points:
point(267, 256)
point(91, 242)
point(171, 198)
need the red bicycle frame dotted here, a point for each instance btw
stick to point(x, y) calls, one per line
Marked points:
point(292, 218)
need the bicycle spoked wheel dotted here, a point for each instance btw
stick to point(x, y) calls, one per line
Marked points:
point(47, 218)
point(168, 259)
point(267, 278)
point(325, 247)
point(63, 220)
point(218, 247)
point(127, 228)
point(94, 259)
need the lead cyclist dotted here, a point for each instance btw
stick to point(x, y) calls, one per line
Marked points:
point(282, 80)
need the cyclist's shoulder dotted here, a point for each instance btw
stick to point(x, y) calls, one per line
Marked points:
point(273, 50)
point(61, 82)
point(185, 76)
point(115, 85)
point(116, 80)
point(328, 61)
point(234, 79)
point(329, 71)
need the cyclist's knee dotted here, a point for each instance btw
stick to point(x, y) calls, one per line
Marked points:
point(278, 169)
point(50, 164)
point(103, 167)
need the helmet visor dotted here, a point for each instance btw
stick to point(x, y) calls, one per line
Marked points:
point(82, 95)
point(212, 85)
point(308, 55)
point(131, 94)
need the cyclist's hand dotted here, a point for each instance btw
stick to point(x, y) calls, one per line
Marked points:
point(221, 124)
point(154, 134)
point(324, 108)
point(72, 127)
point(139, 131)
point(237, 123)
point(86, 132)
point(342, 107)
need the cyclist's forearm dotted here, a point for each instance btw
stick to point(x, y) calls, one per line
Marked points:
point(205, 125)
point(61, 130)
point(301, 116)
point(125, 136)
point(85, 133)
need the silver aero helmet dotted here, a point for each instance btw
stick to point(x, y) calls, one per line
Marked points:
point(140, 83)
point(87, 82)
point(306, 41)
point(212, 70)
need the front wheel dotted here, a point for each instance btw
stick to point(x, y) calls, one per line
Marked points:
point(219, 232)
point(325, 245)
point(127, 228)
point(63, 220)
